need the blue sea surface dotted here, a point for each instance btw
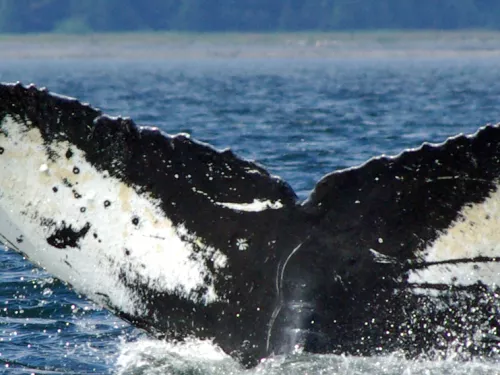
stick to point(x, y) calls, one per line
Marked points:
point(300, 118)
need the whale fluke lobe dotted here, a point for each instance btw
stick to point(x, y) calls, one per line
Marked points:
point(400, 253)
point(406, 244)
point(187, 234)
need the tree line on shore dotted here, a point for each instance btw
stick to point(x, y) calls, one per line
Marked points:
point(82, 16)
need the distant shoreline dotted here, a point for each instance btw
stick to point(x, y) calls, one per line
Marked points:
point(317, 45)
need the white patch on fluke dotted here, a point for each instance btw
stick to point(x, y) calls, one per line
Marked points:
point(382, 258)
point(44, 168)
point(255, 206)
point(476, 234)
point(242, 244)
point(148, 251)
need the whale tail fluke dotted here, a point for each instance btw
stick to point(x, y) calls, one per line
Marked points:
point(182, 239)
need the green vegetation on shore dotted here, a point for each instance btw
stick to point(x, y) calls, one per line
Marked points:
point(86, 16)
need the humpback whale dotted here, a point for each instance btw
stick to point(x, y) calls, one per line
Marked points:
point(181, 239)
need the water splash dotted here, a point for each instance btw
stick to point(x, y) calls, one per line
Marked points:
point(152, 357)
point(194, 357)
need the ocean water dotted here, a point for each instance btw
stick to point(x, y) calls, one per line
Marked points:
point(300, 118)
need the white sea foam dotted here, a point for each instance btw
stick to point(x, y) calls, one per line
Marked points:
point(152, 357)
